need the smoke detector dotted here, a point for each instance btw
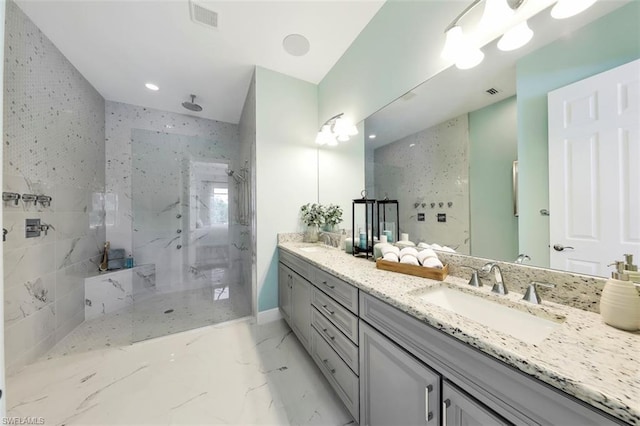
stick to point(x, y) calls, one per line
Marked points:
point(201, 15)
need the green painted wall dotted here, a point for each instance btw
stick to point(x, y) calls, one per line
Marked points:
point(493, 148)
point(286, 168)
point(387, 59)
point(604, 44)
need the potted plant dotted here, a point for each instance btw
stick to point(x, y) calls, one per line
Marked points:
point(313, 215)
point(332, 217)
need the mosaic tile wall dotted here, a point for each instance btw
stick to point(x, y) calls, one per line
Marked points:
point(53, 145)
point(198, 138)
point(247, 237)
point(431, 166)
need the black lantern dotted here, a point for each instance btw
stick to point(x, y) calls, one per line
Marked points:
point(363, 245)
point(388, 219)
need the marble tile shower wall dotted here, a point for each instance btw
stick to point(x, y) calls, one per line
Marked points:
point(53, 145)
point(123, 122)
point(247, 237)
point(431, 166)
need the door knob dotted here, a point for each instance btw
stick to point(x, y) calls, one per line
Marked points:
point(560, 247)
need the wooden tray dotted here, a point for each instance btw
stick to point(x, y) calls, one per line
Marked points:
point(418, 271)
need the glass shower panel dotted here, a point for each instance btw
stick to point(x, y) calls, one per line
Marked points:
point(181, 210)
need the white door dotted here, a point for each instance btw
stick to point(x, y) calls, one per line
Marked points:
point(594, 171)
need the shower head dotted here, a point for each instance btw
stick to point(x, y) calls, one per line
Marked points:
point(192, 106)
point(230, 172)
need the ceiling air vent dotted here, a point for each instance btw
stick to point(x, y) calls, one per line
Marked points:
point(202, 15)
point(493, 91)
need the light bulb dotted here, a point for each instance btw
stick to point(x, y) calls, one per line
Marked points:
point(470, 58)
point(343, 138)
point(516, 37)
point(453, 44)
point(496, 12)
point(325, 135)
point(352, 130)
point(568, 8)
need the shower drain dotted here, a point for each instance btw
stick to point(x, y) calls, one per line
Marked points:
point(168, 311)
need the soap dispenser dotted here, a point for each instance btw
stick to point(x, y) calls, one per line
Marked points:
point(630, 269)
point(620, 301)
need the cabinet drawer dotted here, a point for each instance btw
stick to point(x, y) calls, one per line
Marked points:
point(338, 341)
point(339, 375)
point(296, 264)
point(344, 320)
point(344, 293)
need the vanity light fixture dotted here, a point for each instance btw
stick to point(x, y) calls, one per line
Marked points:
point(568, 8)
point(336, 129)
point(461, 49)
point(151, 86)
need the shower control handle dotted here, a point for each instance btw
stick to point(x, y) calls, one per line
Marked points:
point(179, 246)
point(179, 231)
point(178, 216)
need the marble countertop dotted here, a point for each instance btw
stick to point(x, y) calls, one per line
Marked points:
point(597, 364)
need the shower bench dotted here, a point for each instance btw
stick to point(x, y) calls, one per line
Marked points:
point(110, 291)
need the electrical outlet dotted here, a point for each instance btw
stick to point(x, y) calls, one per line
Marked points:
point(442, 217)
point(420, 217)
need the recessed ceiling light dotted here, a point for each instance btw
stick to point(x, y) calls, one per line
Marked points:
point(412, 145)
point(372, 136)
point(296, 45)
point(151, 86)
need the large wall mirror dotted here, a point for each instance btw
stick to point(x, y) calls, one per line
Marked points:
point(465, 153)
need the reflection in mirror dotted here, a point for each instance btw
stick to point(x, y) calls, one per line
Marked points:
point(454, 139)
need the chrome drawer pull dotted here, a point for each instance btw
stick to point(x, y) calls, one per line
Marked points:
point(330, 286)
point(327, 309)
point(427, 391)
point(445, 404)
point(331, 370)
point(328, 335)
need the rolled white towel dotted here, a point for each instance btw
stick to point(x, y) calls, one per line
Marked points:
point(424, 245)
point(436, 246)
point(403, 244)
point(426, 254)
point(447, 249)
point(391, 257)
point(432, 262)
point(409, 260)
point(390, 249)
point(408, 251)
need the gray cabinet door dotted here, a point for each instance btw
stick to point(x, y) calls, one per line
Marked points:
point(301, 308)
point(284, 291)
point(460, 409)
point(395, 388)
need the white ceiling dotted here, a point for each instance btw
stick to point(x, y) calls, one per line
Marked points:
point(453, 92)
point(120, 45)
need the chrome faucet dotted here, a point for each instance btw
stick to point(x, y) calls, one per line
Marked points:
point(498, 286)
point(474, 281)
point(532, 292)
point(521, 258)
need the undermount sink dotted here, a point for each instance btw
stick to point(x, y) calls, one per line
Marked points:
point(310, 249)
point(523, 326)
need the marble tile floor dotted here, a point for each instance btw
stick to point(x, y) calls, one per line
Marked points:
point(147, 319)
point(236, 373)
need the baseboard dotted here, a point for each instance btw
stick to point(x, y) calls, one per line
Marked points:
point(269, 316)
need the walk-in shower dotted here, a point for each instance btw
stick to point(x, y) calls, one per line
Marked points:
point(190, 238)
